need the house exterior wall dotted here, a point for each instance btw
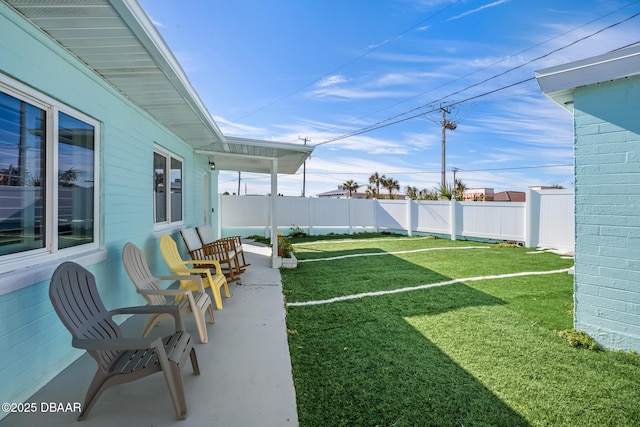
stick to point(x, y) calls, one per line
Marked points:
point(607, 196)
point(34, 345)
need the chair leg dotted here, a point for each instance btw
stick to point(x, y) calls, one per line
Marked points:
point(236, 262)
point(210, 311)
point(194, 362)
point(244, 261)
point(98, 385)
point(201, 324)
point(173, 377)
point(215, 291)
point(226, 289)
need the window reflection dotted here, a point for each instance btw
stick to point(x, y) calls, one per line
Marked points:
point(159, 166)
point(22, 175)
point(176, 190)
point(75, 181)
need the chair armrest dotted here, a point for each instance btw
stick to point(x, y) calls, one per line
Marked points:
point(154, 309)
point(117, 343)
point(193, 270)
point(200, 262)
point(195, 278)
point(169, 292)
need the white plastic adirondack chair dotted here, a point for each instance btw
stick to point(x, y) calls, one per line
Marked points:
point(196, 302)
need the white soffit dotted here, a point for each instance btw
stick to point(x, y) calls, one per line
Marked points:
point(117, 40)
point(251, 155)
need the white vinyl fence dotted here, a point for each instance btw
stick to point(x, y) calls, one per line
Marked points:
point(546, 219)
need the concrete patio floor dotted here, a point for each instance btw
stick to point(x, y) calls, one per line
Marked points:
point(245, 369)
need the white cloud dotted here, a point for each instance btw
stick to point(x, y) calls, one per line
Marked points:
point(478, 9)
point(331, 81)
point(238, 129)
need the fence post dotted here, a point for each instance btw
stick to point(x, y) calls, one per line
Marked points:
point(349, 216)
point(375, 214)
point(409, 218)
point(454, 214)
point(532, 219)
point(310, 225)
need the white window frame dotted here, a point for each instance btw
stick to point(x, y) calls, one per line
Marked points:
point(11, 264)
point(169, 225)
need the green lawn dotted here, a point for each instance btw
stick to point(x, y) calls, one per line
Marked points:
point(473, 353)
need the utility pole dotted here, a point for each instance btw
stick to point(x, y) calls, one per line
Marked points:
point(304, 168)
point(451, 125)
point(238, 193)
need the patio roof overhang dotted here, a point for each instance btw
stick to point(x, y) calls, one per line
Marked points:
point(251, 155)
point(118, 41)
point(559, 83)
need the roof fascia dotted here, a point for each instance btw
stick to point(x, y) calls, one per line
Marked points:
point(270, 144)
point(559, 82)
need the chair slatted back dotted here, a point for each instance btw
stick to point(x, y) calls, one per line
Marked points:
point(74, 295)
point(191, 239)
point(171, 255)
point(135, 263)
point(206, 234)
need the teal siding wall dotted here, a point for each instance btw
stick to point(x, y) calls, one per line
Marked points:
point(34, 346)
point(607, 191)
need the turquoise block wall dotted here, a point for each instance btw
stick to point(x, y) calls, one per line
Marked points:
point(607, 191)
point(34, 345)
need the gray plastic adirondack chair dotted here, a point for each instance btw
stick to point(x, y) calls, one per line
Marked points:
point(75, 298)
point(196, 302)
point(218, 250)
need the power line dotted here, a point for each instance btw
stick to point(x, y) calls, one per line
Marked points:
point(392, 121)
point(371, 50)
point(383, 123)
point(413, 172)
point(486, 67)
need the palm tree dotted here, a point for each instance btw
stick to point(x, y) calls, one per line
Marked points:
point(390, 184)
point(67, 178)
point(376, 179)
point(444, 191)
point(447, 191)
point(459, 188)
point(428, 195)
point(352, 186)
point(370, 192)
point(412, 192)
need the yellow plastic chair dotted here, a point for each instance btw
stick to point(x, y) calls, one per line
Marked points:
point(209, 270)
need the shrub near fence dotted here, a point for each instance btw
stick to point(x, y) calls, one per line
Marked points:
point(546, 219)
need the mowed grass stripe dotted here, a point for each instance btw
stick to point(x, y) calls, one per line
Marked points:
point(421, 287)
point(392, 253)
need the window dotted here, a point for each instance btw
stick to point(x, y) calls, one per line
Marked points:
point(47, 177)
point(167, 188)
point(76, 178)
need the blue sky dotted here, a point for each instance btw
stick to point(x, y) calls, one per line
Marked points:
point(284, 70)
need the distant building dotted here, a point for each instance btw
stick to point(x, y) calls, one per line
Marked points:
point(510, 196)
point(478, 195)
point(342, 194)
